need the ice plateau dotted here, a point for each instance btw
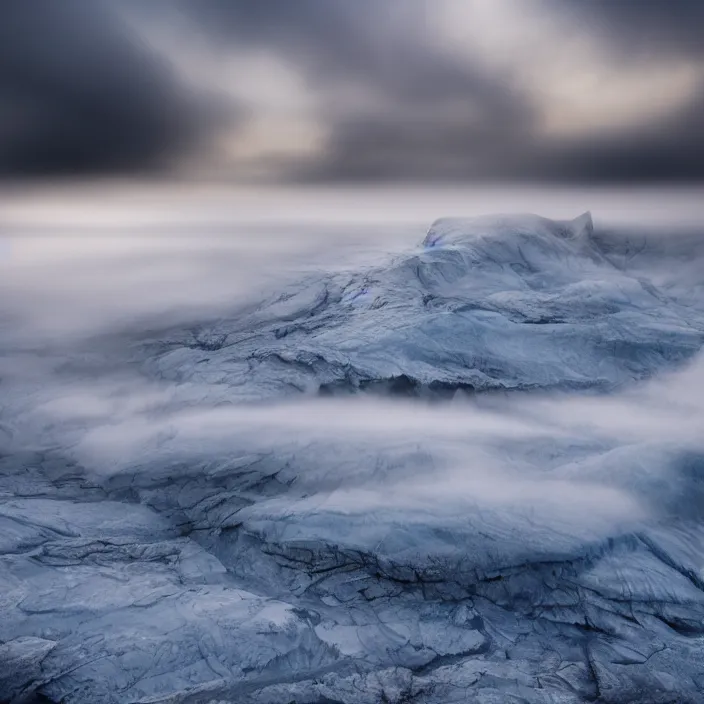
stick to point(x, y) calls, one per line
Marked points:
point(473, 473)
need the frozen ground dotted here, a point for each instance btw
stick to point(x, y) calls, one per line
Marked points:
point(467, 470)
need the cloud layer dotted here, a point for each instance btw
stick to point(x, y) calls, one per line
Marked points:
point(329, 90)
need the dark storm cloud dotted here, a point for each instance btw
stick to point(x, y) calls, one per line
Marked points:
point(461, 145)
point(643, 26)
point(427, 113)
point(502, 142)
point(672, 149)
point(499, 148)
point(430, 115)
point(381, 46)
point(79, 93)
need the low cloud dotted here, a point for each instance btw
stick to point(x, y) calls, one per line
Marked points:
point(584, 465)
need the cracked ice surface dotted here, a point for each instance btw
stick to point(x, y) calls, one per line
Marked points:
point(492, 303)
point(314, 500)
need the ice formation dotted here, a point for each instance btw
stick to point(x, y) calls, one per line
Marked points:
point(246, 511)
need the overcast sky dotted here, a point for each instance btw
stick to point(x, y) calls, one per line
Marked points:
point(320, 91)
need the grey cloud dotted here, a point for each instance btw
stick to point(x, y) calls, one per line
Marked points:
point(670, 149)
point(503, 145)
point(428, 114)
point(388, 147)
point(435, 116)
point(383, 47)
point(647, 26)
point(80, 93)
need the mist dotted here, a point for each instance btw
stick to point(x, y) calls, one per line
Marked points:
point(83, 284)
point(136, 250)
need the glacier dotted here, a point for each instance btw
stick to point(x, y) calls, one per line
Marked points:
point(487, 304)
point(471, 472)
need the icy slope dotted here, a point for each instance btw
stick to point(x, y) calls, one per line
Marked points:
point(492, 303)
point(181, 522)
